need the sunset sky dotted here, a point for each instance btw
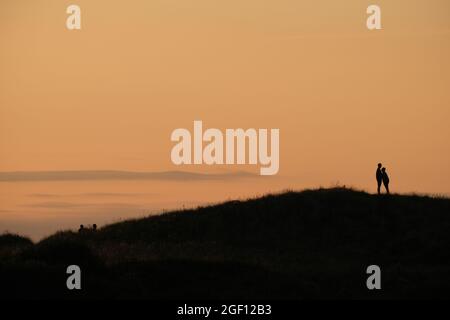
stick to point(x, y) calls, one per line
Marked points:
point(108, 96)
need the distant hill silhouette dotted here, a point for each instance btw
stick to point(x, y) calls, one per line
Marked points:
point(294, 245)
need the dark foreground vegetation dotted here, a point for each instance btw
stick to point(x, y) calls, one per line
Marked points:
point(295, 245)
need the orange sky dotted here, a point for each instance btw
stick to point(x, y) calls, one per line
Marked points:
point(344, 98)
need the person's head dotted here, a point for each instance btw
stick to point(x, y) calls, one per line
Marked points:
point(81, 226)
point(379, 165)
point(384, 169)
point(94, 226)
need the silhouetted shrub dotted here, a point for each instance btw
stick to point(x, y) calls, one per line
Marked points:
point(9, 239)
point(64, 248)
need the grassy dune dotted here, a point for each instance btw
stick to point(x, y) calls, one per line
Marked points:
point(295, 245)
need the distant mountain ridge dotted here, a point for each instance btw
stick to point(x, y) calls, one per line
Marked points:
point(73, 175)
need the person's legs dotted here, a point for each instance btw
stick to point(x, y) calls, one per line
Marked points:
point(386, 185)
point(379, 187)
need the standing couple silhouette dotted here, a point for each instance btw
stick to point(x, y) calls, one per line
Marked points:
point(382, 177)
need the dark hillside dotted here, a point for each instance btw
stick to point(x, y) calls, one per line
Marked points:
point(310, 244)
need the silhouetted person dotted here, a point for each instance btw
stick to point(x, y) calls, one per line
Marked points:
point(385, 180)
point(94, 227)
point(81, 229)
point(379, 176)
